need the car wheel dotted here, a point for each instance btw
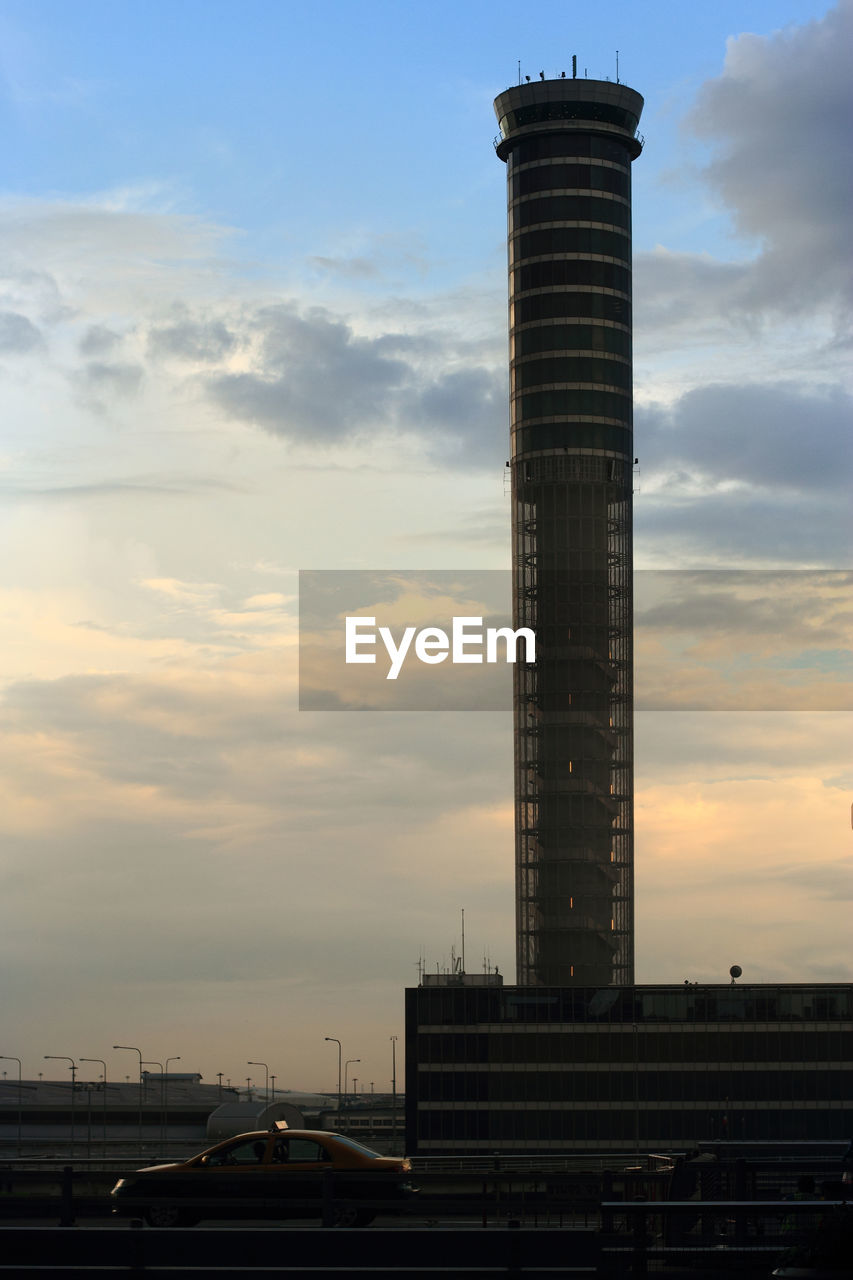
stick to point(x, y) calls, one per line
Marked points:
point(168, 1215)
point(353, 1218)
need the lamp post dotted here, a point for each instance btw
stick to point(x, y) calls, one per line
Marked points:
point(272, 1087)
point(63, 1057)
point(103, 1099)
point(175, 1058)
point(149, 1062)
point(8, 1057)
point(347, 1065)
point(338, 1043)
point(393, 1092)
point(266, 1078)
point(133, 1049)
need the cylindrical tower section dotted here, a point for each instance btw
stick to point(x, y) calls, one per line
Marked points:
point(568, 147)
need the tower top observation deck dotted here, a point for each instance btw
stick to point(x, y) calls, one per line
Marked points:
point(547, 106)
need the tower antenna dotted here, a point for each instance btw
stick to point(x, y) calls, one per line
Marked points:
point(463, 939)
point(617, 66)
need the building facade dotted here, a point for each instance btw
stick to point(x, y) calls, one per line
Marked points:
point(638, 1068)
point(568, 145)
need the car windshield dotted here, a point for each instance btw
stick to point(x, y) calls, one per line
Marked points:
point(357, 1146)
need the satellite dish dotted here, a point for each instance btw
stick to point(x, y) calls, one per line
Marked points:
point(735, 972)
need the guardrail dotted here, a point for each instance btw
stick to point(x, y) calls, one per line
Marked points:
point(625, 1237)
point(550, 1197)
point(728, 1235)
point(497, 1254)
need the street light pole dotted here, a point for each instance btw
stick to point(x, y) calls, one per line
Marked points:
point(347, 1065)
point(394, 1092)
point(340, 1055)
point(266, 1078)
point(149, 1062)
point(175, 1058)
point(104, 1099)
point(133, 1049)
point(8, 1057)
point(63, 1057)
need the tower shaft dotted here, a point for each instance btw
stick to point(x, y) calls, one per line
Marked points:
point(568, 147)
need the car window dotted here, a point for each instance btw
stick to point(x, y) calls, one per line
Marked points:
point(356, 1146)
point(301, 1150)
point(251, 1151)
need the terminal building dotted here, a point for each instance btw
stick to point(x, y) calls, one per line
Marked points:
point(639, 1068)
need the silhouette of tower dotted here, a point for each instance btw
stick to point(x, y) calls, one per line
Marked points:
point(568, 146)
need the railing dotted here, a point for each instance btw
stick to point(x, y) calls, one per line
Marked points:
point(613, 1160)
point(727, 1234)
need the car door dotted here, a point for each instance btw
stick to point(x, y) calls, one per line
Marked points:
point(236, 1172)
point(296, 1168)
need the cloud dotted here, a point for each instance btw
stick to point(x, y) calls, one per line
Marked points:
point(746, 639)
point(348, 268)
point(17, 333)
point(767, 437)
point(746, 529)
point(673, 288)
point(183, 592)
point(208, 341)
point(315, 381)
point(192, 794)
point(104, 228)
point(778, 122)
point(733, 473)
point(469, 408)
point(113, 379)
point(780, 610)
point(99, 340)
point(719, 845)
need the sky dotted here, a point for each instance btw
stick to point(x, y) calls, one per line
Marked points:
point(252, 321)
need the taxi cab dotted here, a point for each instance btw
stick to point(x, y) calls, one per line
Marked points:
point(269, 1173)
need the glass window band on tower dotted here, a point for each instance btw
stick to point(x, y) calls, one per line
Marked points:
point(568, 147)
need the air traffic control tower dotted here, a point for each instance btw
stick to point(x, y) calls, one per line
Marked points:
point(568, 146)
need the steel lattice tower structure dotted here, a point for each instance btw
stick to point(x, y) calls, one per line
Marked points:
point(568, 146)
